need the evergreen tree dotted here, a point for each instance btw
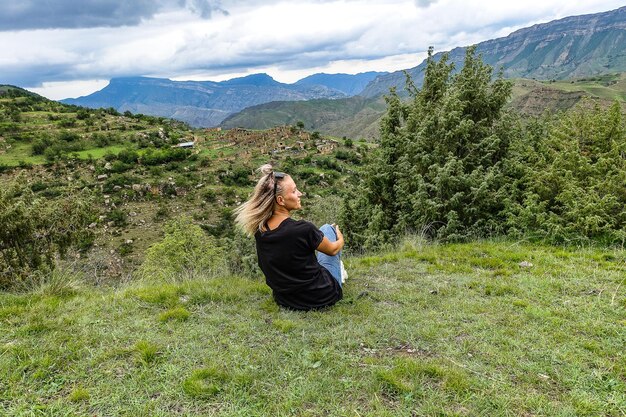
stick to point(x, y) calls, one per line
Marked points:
point(439, 167)
point(572, 177)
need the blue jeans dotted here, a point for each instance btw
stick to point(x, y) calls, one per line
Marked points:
point(331, 263)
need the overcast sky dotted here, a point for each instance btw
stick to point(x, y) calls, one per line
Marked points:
point(67, 48)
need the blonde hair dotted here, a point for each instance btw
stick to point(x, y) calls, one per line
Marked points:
point(254, 213)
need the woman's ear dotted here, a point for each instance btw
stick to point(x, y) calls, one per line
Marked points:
point(280, 200)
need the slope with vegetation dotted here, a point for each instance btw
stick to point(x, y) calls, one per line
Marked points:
point(360, 118)
point(128, 171)
point(554, 65)
point(354, 117)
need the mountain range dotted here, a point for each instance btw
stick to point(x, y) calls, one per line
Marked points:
point(207, 103)
point(343, 104)
point(572, 47)
point(589, 51)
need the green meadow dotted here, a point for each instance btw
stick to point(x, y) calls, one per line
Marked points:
point(493, 328)
point(608, 87)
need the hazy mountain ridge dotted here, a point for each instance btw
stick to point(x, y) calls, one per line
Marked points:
point(200, 103)
point(574, 46)
point(349, 84)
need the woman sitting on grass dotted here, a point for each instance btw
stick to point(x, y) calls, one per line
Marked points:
point(286, 248)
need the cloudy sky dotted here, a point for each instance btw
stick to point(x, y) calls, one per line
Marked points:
point(67, 48)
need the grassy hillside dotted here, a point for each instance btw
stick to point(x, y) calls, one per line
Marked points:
point(27, 120)
point(534, 97)
point(608, 87)
point(493, 328)
point(140, 181)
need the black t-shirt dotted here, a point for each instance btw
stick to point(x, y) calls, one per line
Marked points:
point(286, 256)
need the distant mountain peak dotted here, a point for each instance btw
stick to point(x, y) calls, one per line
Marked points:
point(261, 79)
point(133, 79)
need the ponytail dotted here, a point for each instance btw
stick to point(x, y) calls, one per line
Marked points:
point(254, 213)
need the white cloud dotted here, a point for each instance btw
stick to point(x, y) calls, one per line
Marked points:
point(65, 89)
point(287, 39)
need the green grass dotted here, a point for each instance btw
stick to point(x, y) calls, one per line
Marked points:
point(609, 87)
point(428, 330)
point(98, 153)
point(20, 152)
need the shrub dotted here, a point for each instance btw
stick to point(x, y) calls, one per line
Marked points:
point(161, 213)
point(328, 163)
point(24, 164)
point(120, 166)
point(120, 180)
point(235, 176)
point(101, 140)
point(118, 216)
point(67, 122)
point(109, 156)
point(162, 156)
point(83, 114)
point(240, 254)
point(128, 156)
point(40, 145)
point(573, 171)
point(112, 111)
point(68, 136)
point(224, 225)
point(209, 195)
point(440, 161)
point(34, 231)
point(185, 249)
point(125, 249)
point(348, 156)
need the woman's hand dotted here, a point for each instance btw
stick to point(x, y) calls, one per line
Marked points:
point(332, 248)
point(337, 231)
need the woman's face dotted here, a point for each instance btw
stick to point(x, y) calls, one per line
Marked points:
point(290, 196)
